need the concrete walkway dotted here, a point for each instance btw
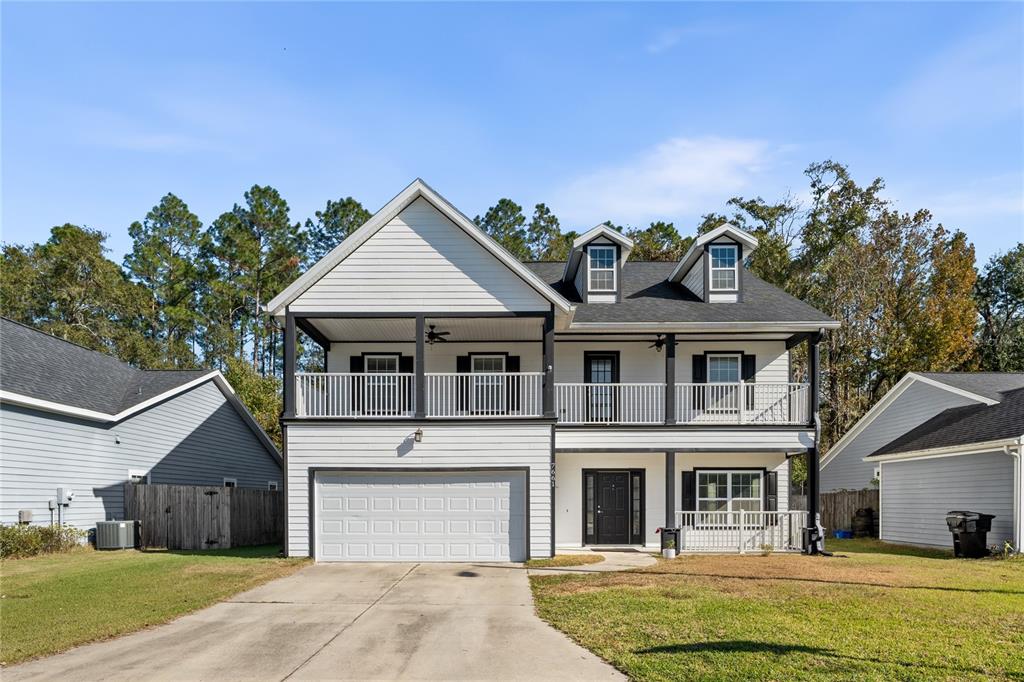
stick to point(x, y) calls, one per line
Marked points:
point(613, 561)
point(347, 621)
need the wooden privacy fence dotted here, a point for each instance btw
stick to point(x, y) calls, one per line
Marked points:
point(838, 508)
point(204, 517)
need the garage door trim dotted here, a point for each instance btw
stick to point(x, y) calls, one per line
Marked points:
point(313, 471)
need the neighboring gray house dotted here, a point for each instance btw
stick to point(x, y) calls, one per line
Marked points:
point(939, 442)
point(75, 418)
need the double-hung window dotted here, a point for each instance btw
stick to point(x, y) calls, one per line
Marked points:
point(723, 380)
point(382, 386)
point(729, 491)
point(724, 267)
point(602, 268)
point(489, 384)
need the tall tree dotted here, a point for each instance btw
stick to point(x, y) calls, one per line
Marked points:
point(165, 260)
point(505, 223)
point(999, 295)
point(659, 242)
point(333, 224)
point(544, 236)
point(255, 252)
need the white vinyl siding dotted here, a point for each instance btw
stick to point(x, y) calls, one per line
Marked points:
point(916, 405)
point(196, 437)
point(916, 494)
point(420, 261)
point(450, 447)
point(439, 357)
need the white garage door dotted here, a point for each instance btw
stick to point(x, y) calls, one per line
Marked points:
point(447, 516)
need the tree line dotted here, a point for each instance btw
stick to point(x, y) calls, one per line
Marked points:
point(907, 290)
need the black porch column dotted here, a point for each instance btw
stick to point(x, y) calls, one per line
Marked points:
point(421, 379)
point(289, 365)
point(548, 398)
point(670, 489)
point(670, 378)
point(813, 461)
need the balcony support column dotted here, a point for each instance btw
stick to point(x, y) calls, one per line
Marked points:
point(548, 397)
point(420, 368)
point(288, 387)
point(670, 378)
point(813, 461)
point(670, 488)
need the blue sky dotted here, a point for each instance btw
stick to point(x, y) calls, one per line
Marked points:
point(603, 111)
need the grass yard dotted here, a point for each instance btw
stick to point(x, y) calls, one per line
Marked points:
point(54, 602)
point(560, 560)
point(873, 611)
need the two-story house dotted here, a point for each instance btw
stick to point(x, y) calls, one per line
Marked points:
point(474, 407)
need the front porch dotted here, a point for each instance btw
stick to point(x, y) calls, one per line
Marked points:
point(721, 502)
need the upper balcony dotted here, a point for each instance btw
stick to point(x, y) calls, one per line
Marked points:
point(483, 395)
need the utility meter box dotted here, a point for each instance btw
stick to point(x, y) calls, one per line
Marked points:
point(64, 496)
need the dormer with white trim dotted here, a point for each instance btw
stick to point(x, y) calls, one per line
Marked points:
point(712, 268)
point(595, 263)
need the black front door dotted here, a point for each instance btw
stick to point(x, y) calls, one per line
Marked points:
point(613, 507)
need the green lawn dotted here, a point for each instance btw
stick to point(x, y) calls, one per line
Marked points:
point(54, 602)
point(873, 611)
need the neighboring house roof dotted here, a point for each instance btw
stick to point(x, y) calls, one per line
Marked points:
point(47, 373)
point(988, 384)
point(418, 189)
point(648, 297)
point(966, 425)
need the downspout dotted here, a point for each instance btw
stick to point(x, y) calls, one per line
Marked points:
point(1018, 493)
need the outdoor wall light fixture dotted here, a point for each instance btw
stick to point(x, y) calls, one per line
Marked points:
point(418, 436)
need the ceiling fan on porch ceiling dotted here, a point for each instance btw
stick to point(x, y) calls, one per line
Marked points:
point(433, 336)
point(659, 343)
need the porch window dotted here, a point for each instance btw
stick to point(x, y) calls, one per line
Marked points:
point(602, 268)
point(381, 387)
point(729, 491)
point(724, 267)
point(725, 371)
point(488, 389)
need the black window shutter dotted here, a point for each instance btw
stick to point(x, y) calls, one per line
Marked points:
point(689, 491)
point(355, 366)
point(771, 491)
point(463, 366)
point(700, 376)
point(513, 389)
point(748, 371)
point(405, 385)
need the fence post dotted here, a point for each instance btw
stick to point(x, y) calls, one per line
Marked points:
point(742, 513)
point(742, 400)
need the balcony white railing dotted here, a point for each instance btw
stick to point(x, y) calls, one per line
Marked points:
point(740, 531)
point(485, 394)
point(610, 403)
point(355, 395)
point(743, 403)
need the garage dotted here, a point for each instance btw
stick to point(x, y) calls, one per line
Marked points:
point(420, 516)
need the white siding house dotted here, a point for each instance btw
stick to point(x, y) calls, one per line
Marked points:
point(474, 407)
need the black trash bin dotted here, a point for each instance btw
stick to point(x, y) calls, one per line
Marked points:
point(970, 530)
point(670, 534)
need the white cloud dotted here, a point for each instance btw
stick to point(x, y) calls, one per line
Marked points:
point(977, 80)
point(678, 176)
point(669, 37)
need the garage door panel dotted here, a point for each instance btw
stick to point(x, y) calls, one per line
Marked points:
point(449, 516)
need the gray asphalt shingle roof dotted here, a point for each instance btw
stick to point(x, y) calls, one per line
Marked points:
point(43, 367)
point(648, 296)
point(971, 423)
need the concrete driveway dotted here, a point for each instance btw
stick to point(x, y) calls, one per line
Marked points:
point(348, 621)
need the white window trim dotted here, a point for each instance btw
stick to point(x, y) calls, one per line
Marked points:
point(712, 269)
point(496, 404)
point(591, 270)
point(728, 488)
point(739, 366)
point(144, 475)
point(475, 357)
point(380, 356)
point(273, 485)
point(232, 481)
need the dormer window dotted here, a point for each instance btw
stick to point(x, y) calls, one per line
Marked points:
point(602, 268)
point(724, 267)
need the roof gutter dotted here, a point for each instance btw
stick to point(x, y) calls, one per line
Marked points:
point(947, 451)
point(641, 327)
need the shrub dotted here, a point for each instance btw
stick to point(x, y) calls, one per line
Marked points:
point(21, 541)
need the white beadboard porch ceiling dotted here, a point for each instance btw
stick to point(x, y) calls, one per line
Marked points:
point(404, 329)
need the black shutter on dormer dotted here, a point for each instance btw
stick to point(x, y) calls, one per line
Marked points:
point(513, 389)
point(463, 366)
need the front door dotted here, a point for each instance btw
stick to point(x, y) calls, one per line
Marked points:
point(613, 500)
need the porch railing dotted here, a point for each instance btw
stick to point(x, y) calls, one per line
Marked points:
point(743, 403)
point(740, 531)
point(610, 403)
point(355, 395)
point(485, 394)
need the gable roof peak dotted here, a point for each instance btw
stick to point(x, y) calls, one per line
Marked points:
point(742, 237)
